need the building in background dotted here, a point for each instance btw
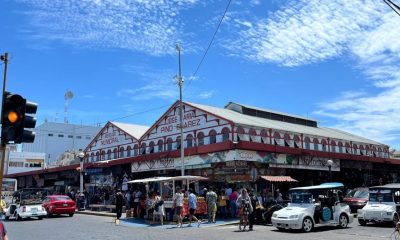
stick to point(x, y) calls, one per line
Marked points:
point(24, 162)
point(54, 139)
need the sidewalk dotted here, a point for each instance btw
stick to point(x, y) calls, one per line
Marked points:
point(99, 213)
point(132, 222)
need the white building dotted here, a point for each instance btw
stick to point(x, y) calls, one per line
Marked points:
point(24, 162)
point(53, 139)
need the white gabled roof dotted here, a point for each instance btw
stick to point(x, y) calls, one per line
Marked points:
point(134, 130)
point(252, 121)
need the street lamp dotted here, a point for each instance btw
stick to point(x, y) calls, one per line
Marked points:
point(81, 155)
point(330, 164)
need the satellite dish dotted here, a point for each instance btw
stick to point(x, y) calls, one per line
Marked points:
point(68, 95)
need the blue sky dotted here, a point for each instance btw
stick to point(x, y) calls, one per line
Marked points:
point(335, 61)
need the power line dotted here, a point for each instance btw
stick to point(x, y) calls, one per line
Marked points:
point(393, 6)
point(125, 116)
point(209, 45)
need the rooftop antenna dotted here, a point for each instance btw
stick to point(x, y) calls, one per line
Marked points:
point(67, 96)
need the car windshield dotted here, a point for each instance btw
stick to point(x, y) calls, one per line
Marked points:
point(62, 198)
point(301, 197)
point(357, 193)
point(380, 196)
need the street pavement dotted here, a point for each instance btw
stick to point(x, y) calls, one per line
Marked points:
point(88, 227)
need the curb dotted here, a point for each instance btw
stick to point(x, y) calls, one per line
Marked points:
point(102, 214)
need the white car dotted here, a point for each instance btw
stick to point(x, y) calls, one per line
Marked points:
point(382, 206)
point(312, 206)
point(25, 206)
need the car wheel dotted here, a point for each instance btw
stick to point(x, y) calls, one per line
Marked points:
point(280, 229)
point(40, 218)
point(7, 217)
point(308, 224)
point(362, 222)
point(48, 213)
point(18, 218)
point(343, 221)
point(395, 219)
point(71, 214)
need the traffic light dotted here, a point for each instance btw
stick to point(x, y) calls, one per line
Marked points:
point(14, 119)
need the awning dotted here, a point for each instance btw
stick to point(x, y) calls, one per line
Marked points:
point(278, 179)
point(165, 179)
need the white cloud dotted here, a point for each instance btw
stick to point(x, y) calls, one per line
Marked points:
point(149, 26)
point(207, 94)
point(153, 83)
point(307, 32)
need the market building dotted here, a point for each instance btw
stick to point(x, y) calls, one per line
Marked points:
point(234, 144)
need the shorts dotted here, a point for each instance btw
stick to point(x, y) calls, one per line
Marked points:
point(192, 211)
point(178, 210)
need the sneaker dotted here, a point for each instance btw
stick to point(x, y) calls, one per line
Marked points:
point(198, 223)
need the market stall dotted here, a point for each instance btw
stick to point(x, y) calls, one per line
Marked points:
point(168, 198)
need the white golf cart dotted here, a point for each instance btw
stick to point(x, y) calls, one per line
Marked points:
point(25, 204)
point(382, 206)
point(312, 206)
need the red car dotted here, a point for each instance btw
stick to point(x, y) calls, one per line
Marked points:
point(357, 198)
point(59, 204)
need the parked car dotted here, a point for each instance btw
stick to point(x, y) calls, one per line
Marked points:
point(312, 206)
point(382, 205)
point(25, 204)
point(59, 204)
point(357, 198)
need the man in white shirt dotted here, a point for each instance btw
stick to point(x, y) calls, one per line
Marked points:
point(178, 203)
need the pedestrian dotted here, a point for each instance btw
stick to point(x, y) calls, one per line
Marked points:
point(244, 204)
point(158, 208)
point(178, 204)
point(211, 199)
point(192, 208)
point(128, 199)
point(3, 231)
point(232, 201)
point(252, 214)
point(119, 202)
point(136, 202)
point(222, 204)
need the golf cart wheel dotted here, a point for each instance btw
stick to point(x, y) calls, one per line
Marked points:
point(308, 224)
point(343, 221)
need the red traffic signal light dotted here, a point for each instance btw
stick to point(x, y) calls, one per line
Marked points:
point(14, 119)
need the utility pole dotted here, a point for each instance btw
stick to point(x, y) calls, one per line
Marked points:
point(3, 58)
point(180, 83)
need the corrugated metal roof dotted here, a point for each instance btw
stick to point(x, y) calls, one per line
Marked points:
point(134, 130)
point(271, 111)
point(258, 122)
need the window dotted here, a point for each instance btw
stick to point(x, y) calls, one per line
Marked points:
point(103, 155)
point(60, 135)
point(323, 145)
point(297, 142)
point(128, 151)
point(169, 144)
point(143, 149)
point(333, 146)
point(264, 136)
point(136, 150)
point(316, 143)
point(189, 140)
point(109, 154)
point(78, 137)
point(97, 156)
point(287, 139)
point(151, 147)
point(160, 145)
point(70, 136)
point(307, 143)
point(88, 138)
point(225, 134)
point(15, 164)
point(121, 152)
point(213, 136)
point(240, 133)
point(115, 153)
point(178, 142)
point(252, 135)
point(200, 139)
point(340, 146)
point(50, 134)
point(92, 157)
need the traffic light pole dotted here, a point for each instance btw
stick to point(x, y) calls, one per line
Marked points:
point(4, 58)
